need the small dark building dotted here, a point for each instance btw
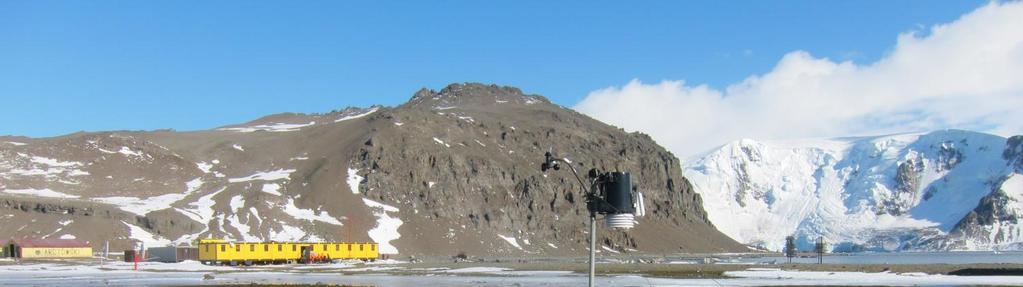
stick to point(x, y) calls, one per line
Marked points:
point(172, 254)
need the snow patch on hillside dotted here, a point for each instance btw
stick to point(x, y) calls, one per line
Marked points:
point(272, 188)
point(353, 180)
point(140, 234)
point(356, 116)
point(511, 240)
point(143, 206)
point(45, 192)
point(308, 214)
point(386, 229)
point(275, 127)
point(272, 175)
point(437, 140)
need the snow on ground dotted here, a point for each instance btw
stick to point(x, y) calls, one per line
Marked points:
point(67, 236)
point(308, 214)
point(386, 229)
point(237, 202)
point(192, 273)
point(476, 270)
point(238, 147)
point(46, 192)
point(141, 235)
point(356, 116)
point(141, 206)
point(204, 166)
point(353, 180)
point(289, 233)
point(608, 249)
point(200, 211)
point(15, 143)
point(275, 127)
point(53, 162)
point(243, 229)
point(43, 166)
point(265, 175)
point(511, 240)
point(441, 142)
point(126, 151)
point(144, 206)
point(272, 188)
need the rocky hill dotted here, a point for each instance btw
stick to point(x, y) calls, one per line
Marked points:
point(943, 190)
point(447, 172)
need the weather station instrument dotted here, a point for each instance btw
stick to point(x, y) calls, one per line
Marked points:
point(609, 194)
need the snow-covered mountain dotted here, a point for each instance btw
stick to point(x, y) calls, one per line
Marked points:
point(944, 190)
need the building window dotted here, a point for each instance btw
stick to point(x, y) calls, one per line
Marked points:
point(337, 247)
point(294, 248)
point(280, 247)
point(223, 248)
point(372, 247)
point(362, 247)
point(207, 248)
point(349, 247)
point(252, 247)
point(238, 248)
point(266, 247)
point(324, 247)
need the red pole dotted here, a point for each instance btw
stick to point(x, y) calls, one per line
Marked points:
point(136, 259)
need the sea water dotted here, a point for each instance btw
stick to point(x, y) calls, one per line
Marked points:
point(959, 257)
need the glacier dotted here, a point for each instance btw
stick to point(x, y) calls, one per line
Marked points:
point(882, 193)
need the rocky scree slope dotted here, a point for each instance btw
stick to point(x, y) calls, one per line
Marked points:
point(448, 172)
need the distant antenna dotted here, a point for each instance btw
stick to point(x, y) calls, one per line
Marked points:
point(790, 247)
point(819, 248)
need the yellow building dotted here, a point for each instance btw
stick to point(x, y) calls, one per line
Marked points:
point(47, 248)
point(218, 251)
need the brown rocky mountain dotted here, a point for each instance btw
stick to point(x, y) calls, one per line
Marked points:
point(447, 172)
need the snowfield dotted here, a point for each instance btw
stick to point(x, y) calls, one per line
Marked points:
point(395, 274)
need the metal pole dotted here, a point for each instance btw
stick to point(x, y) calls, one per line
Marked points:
point(593, 247)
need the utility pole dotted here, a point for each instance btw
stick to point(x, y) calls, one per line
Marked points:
point(819, 248)
point(790, 247)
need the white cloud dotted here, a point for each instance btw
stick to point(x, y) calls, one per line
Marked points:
point(967, 74)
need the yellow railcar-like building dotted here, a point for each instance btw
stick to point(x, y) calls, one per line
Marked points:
point(215, 251)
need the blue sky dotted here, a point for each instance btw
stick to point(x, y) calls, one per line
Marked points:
point(104, 65)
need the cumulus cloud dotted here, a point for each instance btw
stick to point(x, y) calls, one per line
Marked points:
point(967, 74)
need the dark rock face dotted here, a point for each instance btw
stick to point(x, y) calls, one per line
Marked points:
point(907, 182)
point(479, 168)
point(461, 165)
point(1013, 153)
point(991, 220)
